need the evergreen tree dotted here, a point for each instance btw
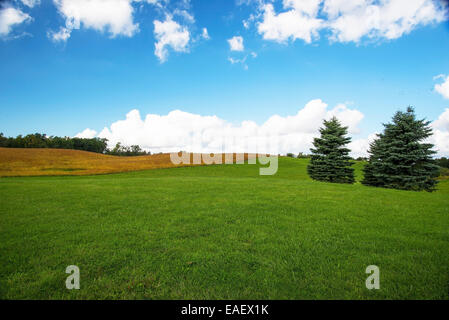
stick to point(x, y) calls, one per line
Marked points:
point(399, 158)
point(330, 161)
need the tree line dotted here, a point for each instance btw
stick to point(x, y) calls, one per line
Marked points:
point(399, 157)
point(98, 145)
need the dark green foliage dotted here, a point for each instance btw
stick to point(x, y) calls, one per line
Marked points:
point(98, 145)
point(120, 150)
point(399, 158)
point(2, 139)
point(444, 173)
point(38, 140)
point(443, 162)
point(330, 160)
point(302, 156)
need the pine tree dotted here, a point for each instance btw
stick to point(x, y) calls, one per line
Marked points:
point(330, 161)
point(399, 158)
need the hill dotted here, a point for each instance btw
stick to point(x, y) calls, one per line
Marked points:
point(47, 162)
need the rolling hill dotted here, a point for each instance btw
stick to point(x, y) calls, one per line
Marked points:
point(48, 162)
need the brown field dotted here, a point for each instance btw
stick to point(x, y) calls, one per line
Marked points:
point(48, 162)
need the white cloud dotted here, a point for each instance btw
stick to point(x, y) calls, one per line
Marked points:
point(389, 19)
point(31, 3)
point(112, 16)
point(185, 14)
point(360, 147)
point(440, 139)
point(170, 34)
point(10, 17)
point(442, 88)
point(240, 61)
point(441, 134)
point(116, 17)
point(347, 20)
point(148, 1)
point(307, 7)
point(205, 34)
point(62, 35)
point(180, 130)
point(292, 24)
point(250, 20)
point(442, 123)
point(236, 43)
point(87, 133)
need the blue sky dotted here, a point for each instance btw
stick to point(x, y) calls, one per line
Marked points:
point(95, 77)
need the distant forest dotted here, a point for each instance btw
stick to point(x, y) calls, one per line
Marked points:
point(98, 145)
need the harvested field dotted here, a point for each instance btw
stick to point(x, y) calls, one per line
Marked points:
point(50, 162)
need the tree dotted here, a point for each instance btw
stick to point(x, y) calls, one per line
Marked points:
point(443, 162)
point(3, 140)
point(330, 160)
point(117, 149)
point(399, 157)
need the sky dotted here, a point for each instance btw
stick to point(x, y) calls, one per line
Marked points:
point(175, 75)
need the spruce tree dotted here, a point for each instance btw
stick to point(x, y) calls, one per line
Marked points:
point(330, 160)
point(399, 157)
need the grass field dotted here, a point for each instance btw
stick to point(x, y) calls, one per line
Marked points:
point(220, 232)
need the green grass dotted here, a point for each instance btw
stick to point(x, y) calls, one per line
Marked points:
point(220, 232)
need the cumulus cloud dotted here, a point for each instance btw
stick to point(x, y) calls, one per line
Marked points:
point(10, 17)
point(169, 33)
point(441, 134)
point(440, 139)
point(359, 147)
point(389, 19)
point(87, 133)
point(236, 43)
point(114, 17)
point(180, 130)
point(299, 22)
point(345, 20)
point(442, 88)
point(442, 123)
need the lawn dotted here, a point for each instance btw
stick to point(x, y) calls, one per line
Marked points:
point(220, 232)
